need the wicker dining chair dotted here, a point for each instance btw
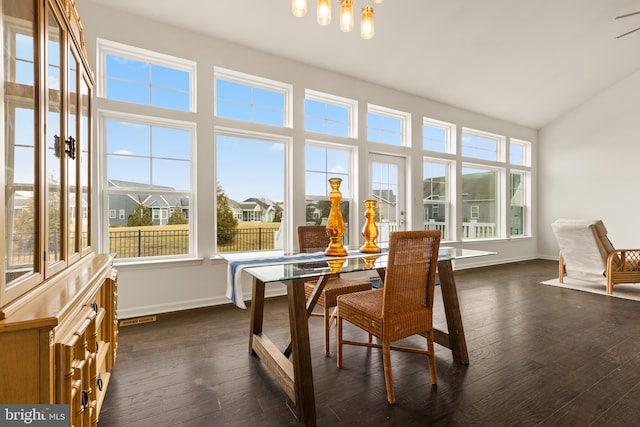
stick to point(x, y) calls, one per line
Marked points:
point(314, 238)
point(402, 307)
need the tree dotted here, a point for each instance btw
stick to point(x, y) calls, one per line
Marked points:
point(226, 223)
point(277, 215)
point(177, 216)
point(141, 216)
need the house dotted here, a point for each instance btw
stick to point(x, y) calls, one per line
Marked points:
point(253, 210)
point(161, 206)
point(513, 80)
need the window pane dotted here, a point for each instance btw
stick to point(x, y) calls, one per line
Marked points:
point(143, 82)
point(174, 174)
point(479, 147)
point(129, 170)
point(249, 102)
point(385, 129)
point(435, 197)
point(327, 118)
point(173, 143)
point(250, 176)
point(479, 208)
point(324, 163)
point(128, 138)
point(435, 138)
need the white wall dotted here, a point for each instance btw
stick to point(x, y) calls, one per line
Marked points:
point(588, 166)
point(161, 287)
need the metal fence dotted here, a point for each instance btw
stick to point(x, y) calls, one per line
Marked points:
point(250, 239)
point(144, 243)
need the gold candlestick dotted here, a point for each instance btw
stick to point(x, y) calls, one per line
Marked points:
point(335, 223)
point(370, 230)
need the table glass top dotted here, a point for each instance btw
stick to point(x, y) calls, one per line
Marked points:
point(355, 261)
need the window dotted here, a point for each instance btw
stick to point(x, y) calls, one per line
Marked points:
point(519, 153)
point(149, 172)
point(481, 145)
point(139, 76)
point(250, 173)
point(329, 114)
point(388, 126)
point(252, 99)
point(518, 204)
point(112, 213)
point(479, 202)
point(438, 136)
point(435, 196)
point(321, 163)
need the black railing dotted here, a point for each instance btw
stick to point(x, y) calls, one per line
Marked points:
point(144, 243)
point(247, 239)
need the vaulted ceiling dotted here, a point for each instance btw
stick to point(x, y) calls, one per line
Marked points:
point(528, 62)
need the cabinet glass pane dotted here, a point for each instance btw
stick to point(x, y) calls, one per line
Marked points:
point(54, 141)
point(83, 207)
point(19, 122)
point(72, 133)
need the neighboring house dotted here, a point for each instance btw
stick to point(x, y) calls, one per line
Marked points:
point(253, 210)
point(162, 206)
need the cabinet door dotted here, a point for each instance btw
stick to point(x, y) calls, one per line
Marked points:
point(20, 123)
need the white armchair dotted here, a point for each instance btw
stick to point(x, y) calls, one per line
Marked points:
point(587, 254)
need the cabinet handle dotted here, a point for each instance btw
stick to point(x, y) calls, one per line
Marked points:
point(94, 305)
point(85, 398)
point(71, 147)
point(99, 383)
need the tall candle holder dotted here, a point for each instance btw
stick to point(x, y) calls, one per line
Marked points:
point(335, 223)
point(370, 230)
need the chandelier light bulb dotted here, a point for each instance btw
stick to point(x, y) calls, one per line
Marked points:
point(366, 23)
point(324, 12)
point(299, 8)
point(346, 16)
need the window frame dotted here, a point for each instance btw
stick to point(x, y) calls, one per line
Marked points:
point(325, 98)
point(448, 206)
point(108, 47)
point(450, 132)
point(103, 118)
point(402, 116)
point(256, 82)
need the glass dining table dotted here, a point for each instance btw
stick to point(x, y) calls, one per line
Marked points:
point(291, 365)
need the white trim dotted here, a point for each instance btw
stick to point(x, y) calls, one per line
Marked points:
point(403, 117)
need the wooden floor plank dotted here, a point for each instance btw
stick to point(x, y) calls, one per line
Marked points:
point(539, 355)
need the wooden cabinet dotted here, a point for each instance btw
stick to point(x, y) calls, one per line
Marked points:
point(59, 345)
point(47, 91)
point(58, 299)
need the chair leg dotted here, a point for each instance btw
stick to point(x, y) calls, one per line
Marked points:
point(327, 318)
point(339, 341)
point(388, 380)
point(432, 358)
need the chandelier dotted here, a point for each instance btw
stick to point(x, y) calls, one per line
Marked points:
point(299, 9)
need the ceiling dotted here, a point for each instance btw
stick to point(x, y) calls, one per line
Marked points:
point(523, 61)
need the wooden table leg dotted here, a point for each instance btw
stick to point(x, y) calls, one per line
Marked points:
point(456, 339)
point(301, 353)
point(257, 312)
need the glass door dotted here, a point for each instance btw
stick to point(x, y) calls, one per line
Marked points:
point(387, 187)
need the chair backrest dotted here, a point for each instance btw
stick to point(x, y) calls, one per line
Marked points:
point(313, 238)
point(411, 270)
point(585, 246)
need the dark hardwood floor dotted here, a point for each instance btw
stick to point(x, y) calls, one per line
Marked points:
point(539, 356)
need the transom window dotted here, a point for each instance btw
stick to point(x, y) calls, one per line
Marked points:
point(329, 114)
point(438, 136)
point(519, 152)
point(139, 76)
point(481, 145)
point(253, 99)
point(388, 126)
